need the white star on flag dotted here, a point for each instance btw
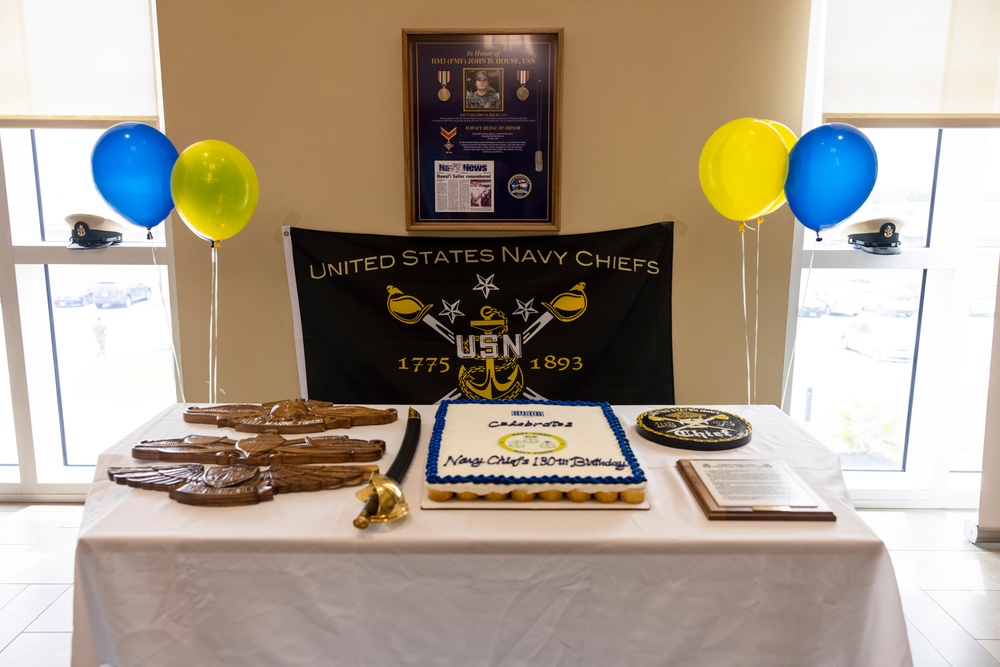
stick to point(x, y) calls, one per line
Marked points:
point(485, 285)
point(451, 310)
point(525, 309)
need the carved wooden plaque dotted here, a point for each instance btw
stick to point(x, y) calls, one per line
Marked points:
point(263, 449)
point(230, 485)
point(290, 416)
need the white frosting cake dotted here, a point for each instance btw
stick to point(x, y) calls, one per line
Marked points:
point(524, 451)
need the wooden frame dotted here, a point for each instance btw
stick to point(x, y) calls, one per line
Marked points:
point(816, 510)
point(482, 129)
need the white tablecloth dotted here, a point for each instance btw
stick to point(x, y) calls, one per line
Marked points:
point(292, 582)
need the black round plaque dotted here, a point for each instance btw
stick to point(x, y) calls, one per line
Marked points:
point(700, 429)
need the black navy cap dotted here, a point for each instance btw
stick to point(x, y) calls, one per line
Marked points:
point(879, 236)
point(93, 231)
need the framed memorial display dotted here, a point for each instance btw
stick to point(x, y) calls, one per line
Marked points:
point(481, 129)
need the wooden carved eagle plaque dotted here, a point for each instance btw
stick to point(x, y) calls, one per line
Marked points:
point(231, 485)
point(290, 416)
point(263, 449)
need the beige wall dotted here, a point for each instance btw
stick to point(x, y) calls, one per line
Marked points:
point(310, 91)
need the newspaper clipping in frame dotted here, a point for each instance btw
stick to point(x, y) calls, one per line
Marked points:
point(463, 187)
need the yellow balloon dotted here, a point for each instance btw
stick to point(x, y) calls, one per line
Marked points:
point(743, 167)
point(789, 138)
point(215, 189)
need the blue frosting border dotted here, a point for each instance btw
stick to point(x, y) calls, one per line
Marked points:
point(431, 471)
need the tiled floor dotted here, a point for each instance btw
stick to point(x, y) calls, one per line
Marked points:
point(950, 588)
point(36, 583)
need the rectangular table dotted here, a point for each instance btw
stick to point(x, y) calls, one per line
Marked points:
point(292, 582)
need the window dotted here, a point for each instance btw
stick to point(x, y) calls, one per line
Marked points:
point(920, 79)
point(8, 441)
point(87, 338)
point(893, 352)
point(95, 324)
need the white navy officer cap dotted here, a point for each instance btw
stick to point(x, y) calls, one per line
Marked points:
point(878, 236)
point(93, 231)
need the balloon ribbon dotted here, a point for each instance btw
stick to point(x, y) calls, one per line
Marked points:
point(213, 326)
point(751, 367)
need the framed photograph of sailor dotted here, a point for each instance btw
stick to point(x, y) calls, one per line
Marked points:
point(482, 129)
point(483, 89)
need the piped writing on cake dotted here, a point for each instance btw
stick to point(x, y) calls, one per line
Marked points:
point(538, 451)
point(530, 424)
point(536, 462)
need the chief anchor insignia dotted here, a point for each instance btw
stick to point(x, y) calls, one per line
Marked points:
point(230, 485)
point(498, 378)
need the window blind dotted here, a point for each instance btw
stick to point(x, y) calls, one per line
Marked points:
point(70, 58)
point(912, 57)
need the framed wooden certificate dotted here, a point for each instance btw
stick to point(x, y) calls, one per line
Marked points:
point(749, 489)
point(481, 129)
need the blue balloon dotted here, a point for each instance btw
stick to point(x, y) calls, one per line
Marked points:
point(831, 171)
point(131, 164)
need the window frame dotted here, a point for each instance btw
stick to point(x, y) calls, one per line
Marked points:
point(29, 489)
point(922, 487)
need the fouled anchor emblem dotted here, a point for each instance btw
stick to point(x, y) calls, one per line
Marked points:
point(500, 377)
point(483, 381)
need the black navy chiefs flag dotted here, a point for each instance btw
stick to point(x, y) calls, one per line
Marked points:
point(401, 319)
